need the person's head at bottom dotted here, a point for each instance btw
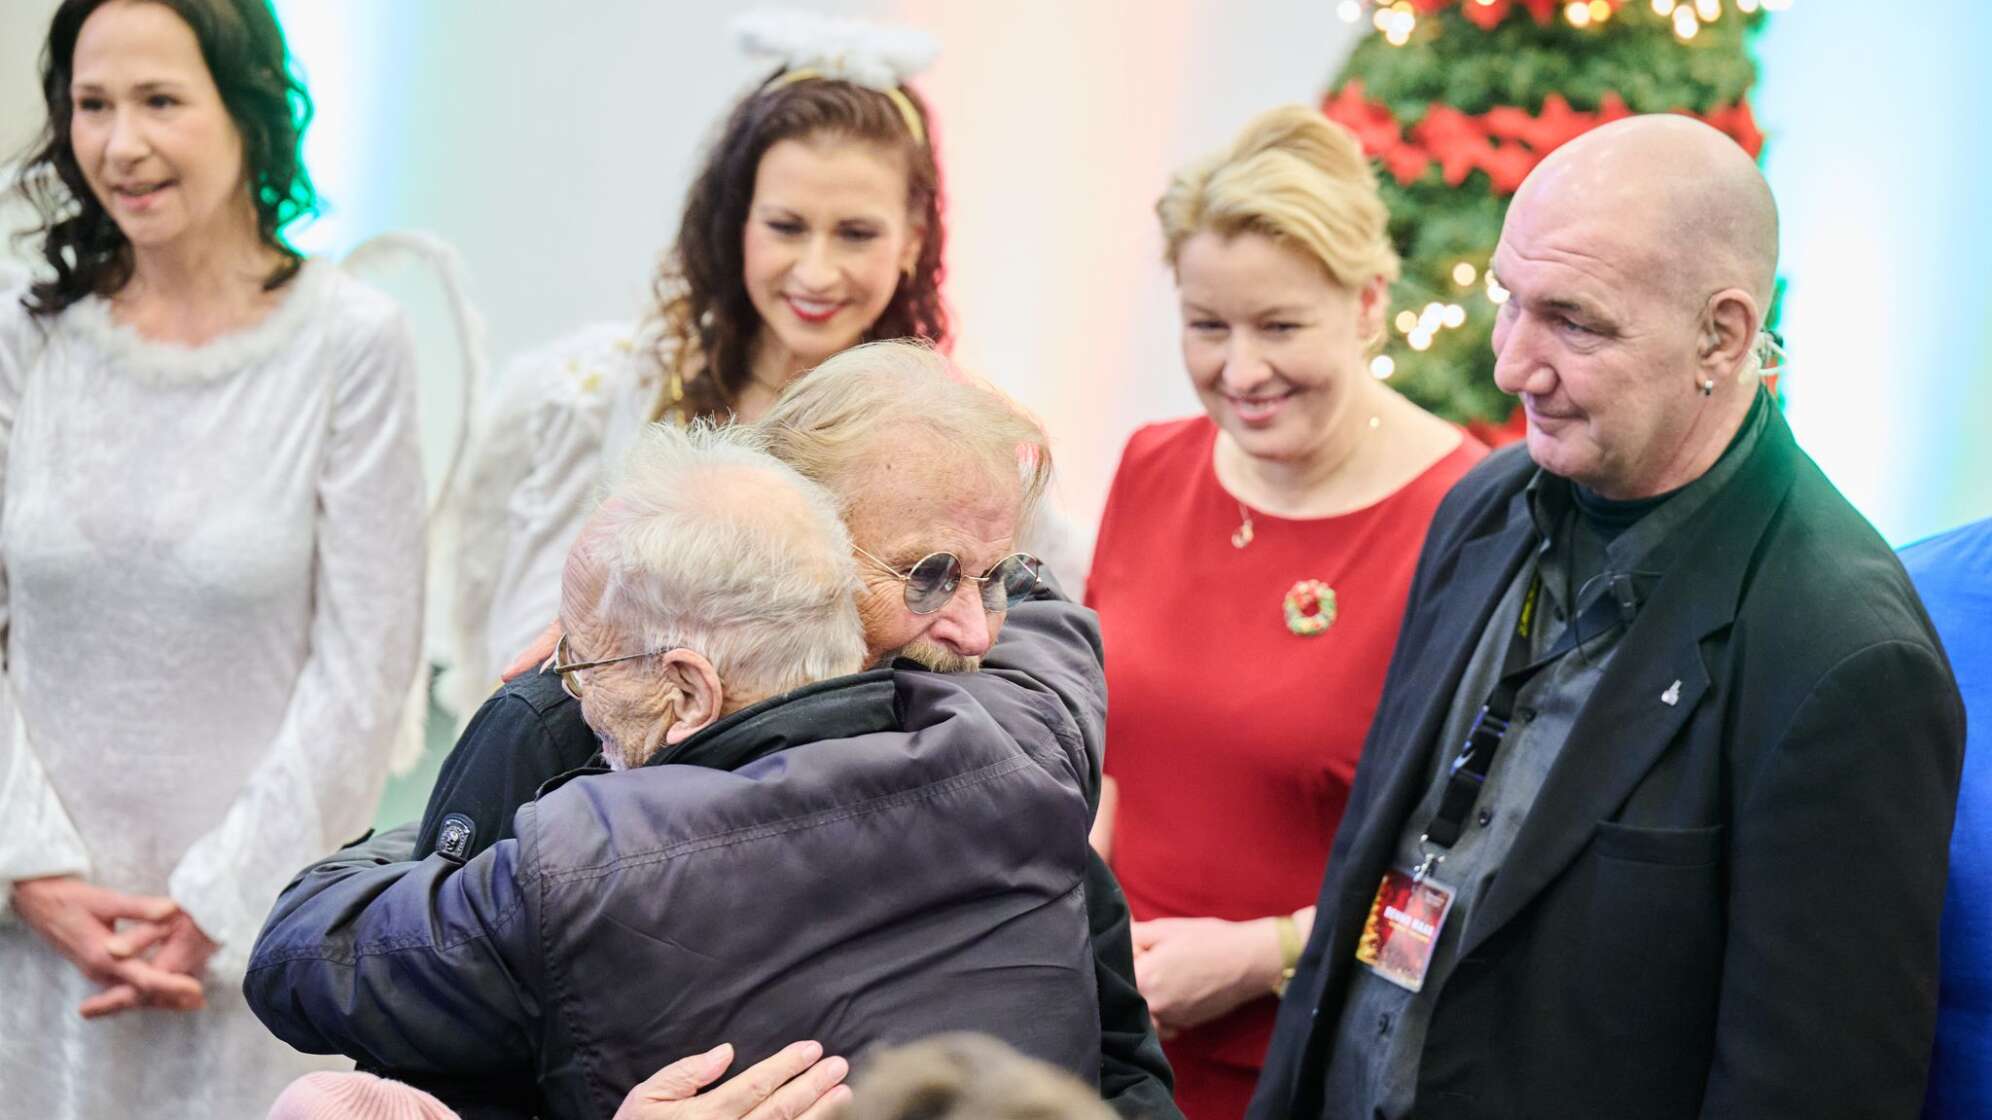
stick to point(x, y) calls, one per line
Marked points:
point(933, 474)
point(712, 577)
point(966, 1076)
point(329, 1095)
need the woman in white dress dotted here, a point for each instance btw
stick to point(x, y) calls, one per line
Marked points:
point(210, 563)
point(813, 224)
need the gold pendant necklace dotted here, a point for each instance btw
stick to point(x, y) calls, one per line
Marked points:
point(1242, 536)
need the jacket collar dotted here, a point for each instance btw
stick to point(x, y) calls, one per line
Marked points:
point(832, 709)
point(839, 708)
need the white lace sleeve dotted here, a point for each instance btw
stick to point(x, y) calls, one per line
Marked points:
point(318, 783)
point(36, 835)
point(535, 470)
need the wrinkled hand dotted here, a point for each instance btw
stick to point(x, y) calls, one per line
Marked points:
point(792, 1085)
point(80, 921)
point(183, 949)
point(535, 655)
point(1191, 970)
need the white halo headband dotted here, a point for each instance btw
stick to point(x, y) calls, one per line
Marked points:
point(876, 56)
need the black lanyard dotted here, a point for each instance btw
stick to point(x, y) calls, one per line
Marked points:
point(1615, 607)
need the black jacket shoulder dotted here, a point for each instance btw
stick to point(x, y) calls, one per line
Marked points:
point(526, 734)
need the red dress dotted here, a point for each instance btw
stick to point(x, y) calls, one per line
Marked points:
point(1234, 739)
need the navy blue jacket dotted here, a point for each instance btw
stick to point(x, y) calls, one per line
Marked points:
point(530, 736)
point(870, 859)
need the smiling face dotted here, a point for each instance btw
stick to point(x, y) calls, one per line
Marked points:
point(1273, 345)
point(827, 237)
point(150, 131)
point(1598, 345)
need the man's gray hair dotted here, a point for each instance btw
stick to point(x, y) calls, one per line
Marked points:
point(708, 543)
point(830, 424)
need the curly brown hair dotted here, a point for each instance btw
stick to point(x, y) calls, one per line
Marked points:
point(243, 46)
point(707, 323)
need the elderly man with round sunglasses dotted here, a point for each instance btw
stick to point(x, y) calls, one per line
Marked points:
point(790, 848)
point(932, 476)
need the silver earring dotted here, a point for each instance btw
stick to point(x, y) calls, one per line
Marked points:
point(1708, 386)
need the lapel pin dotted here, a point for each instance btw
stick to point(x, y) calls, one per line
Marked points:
point(1672, 696)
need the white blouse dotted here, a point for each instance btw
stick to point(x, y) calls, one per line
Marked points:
point(210, 595)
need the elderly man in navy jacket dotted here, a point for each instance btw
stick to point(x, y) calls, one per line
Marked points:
point(1652, 817)
point(910, 451)
point(792, 850)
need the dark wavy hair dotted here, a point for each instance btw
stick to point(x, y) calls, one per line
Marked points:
point(707, 321)
point(243, 46)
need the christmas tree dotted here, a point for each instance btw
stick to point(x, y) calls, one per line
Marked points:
point(1459, 99)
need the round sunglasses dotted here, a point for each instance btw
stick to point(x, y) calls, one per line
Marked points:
point(931, 581)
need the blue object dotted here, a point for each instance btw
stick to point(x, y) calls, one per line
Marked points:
point(1953, 573)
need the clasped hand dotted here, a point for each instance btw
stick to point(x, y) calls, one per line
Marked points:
point(156, 960)
point(1192, 970)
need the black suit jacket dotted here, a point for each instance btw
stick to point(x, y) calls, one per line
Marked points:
point(1722, 906)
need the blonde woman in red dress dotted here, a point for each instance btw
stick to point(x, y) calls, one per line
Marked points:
point(1252, 567)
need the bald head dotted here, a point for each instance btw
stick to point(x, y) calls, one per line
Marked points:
point(1639, 260)
point(1708, 215)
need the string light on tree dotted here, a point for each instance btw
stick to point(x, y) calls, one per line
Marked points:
point(1395, 20)
point(1464, 274)
point(1382, 367)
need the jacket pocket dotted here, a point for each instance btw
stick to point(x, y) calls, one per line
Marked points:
point(1668, 847)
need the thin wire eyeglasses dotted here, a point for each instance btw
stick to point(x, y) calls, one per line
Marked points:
point(570, 682)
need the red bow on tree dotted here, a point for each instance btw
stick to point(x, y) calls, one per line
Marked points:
point(1459, 141)
point(1488, 14)
point(1485, 14)
point(1372, 122)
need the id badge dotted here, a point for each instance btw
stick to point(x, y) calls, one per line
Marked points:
point(1403, 928)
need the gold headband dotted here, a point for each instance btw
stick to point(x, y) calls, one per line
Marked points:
point(895, 95)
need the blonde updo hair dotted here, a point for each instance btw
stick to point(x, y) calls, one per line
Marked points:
point(1297, 177)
